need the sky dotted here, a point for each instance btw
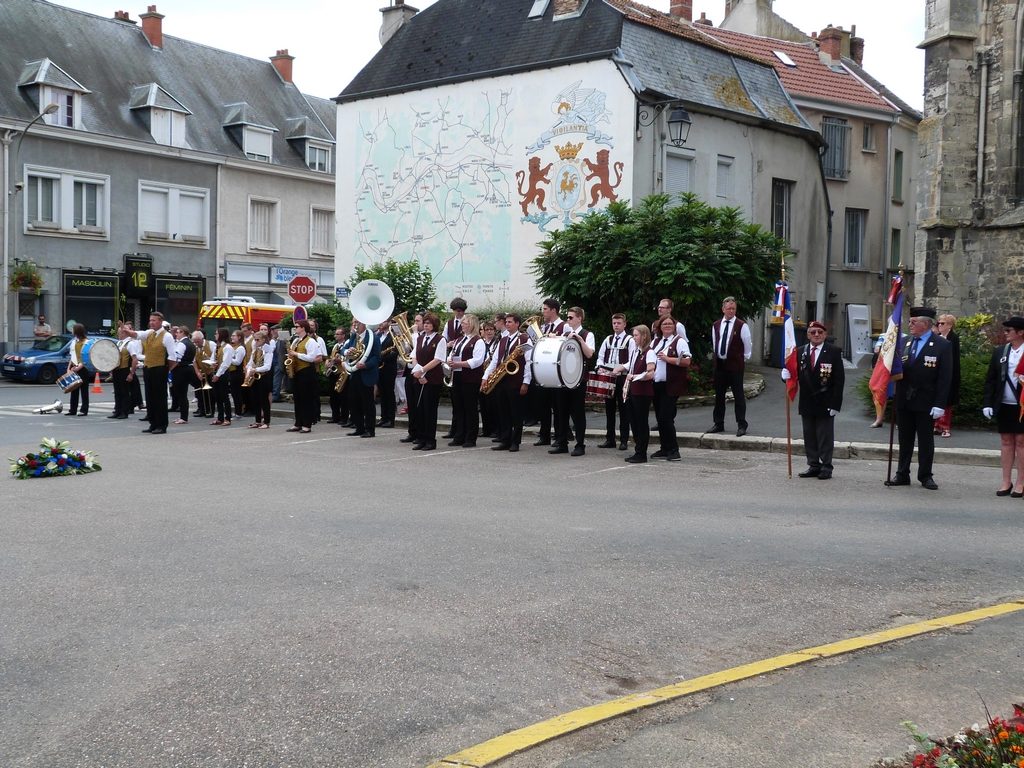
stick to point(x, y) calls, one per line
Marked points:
point(332, 40)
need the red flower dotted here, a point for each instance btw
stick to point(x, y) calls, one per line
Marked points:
point(33, 464)
point(61, 462)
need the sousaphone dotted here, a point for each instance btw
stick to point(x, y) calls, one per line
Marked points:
point(371, 303)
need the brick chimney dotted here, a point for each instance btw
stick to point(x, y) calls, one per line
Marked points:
point(395, 15)
point(153, 27)
point(123, 16)
point(704, 21)
point(682, 9)
point(568, 8)
point(283, 64)
point(830, 42)
point(856, 46)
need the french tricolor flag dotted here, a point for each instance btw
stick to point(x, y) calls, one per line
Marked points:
point(890, 360)
point(784, 308)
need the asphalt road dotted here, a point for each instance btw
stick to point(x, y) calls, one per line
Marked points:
point(240, 598)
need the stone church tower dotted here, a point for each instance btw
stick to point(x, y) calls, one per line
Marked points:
point(969, 250)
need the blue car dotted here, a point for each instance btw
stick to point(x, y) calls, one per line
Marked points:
point(43, 362)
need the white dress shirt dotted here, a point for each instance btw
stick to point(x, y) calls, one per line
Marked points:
point(525, 361)
point(610, 348)
point(744, 336)
point(268, 359)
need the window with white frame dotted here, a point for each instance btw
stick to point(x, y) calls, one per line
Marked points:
point(318, 157)
point(167, 127)
point(258, 144)
point(321, 231)
point(67, 103)
point(856, 229)
point(724, 178)
point(836, 160)
point(173, 213)
point(66, 202)
point(868, 143)
point(678, 177)
point(264, 224)
point(782, 208)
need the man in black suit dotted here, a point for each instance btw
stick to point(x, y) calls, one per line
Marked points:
point(922, 395)
point(388, 374)
point(821, 377)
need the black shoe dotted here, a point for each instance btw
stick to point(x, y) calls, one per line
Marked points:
point(157, 431)
point(356, 433)
point(447, 435)
point(428, 447)
point(71, 413)
point(715, 428)
point(542, 441)
point(530, 423)
point(623, 446)
point(607, 444)
point(930, 484)
point(513, 448)
point(898, 481)
point(825, 474)
point(114, 416)
point(741, 432)
point(500, 447)
point(496, 439)
point(1016, 495)
point(810, 472)
point(636, 458)
point(348, 424)
point(148, 430)
point(455, 443)
point(673, 457)
point(1004, 491)
point(408, 439)
point(659, 454)
point(386, 424)
point(559, 449)
point(579, 450)
point(469, 445)
point(122, 416)
point(367, 434)
point(83, 413)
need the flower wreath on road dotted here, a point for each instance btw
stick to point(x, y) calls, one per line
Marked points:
point(54, 459)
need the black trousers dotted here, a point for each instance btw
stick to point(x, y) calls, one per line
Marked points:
point(544, 403)
point(204, 397)
point(386, 388)
point(135, 388)
point(615, 405)
point(181, 377)
point(261, 397)
point(639, 411)
point(455, 392)
point(819, 441)
point(412, 400)
point(665, 415)
point(156, 396)
point(82, 393)
point(222, 397)
point(724, 380)
point(305, 397)
point(488, 414)
point(469, 403)
point(235, 379)
point(363, 410)
point(511, 406)
point(426, 414)
point(339, 402)
point(122, 392)
point(571, 407)
point(917, 425)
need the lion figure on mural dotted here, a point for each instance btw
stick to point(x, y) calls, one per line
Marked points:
point(534, 192)
point(600, 171)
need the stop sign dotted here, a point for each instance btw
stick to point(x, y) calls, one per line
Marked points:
point(301, 289)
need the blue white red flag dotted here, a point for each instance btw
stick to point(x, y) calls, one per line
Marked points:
point(889, 366)
point(789, 337)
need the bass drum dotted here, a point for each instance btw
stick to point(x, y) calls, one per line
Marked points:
point(557, 363)
point(101, 355)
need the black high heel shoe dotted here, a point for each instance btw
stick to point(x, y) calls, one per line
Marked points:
point(1017, 495)
point(1004, 491)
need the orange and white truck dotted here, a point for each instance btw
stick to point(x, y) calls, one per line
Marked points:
point(232, 311)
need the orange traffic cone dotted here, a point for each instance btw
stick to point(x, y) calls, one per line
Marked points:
point(97, 388)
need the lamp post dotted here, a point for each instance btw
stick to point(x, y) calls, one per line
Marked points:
point(9, 225)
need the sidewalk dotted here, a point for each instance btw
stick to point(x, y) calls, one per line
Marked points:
point(766, 416)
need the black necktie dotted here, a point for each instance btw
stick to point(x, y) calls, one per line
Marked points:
point(915, 349)
point(725, 339)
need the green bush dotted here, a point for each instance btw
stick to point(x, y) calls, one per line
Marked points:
point(410, 281)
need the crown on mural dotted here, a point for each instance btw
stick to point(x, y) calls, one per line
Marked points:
point(569, 151)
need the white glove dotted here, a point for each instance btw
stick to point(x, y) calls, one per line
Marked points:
point(987, 413)
point(936, 413)
point(832, 412)
point(786, 375)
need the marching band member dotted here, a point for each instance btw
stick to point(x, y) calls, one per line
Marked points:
point(542, 401)
point(388, 374)
point(500, 331)
point(431, 352)
point(451, 334)
point(511, 390)
point(259, 368)
point(339, 400)
point(572, 402)
point(640, 391)
point(119, 377)
point(362, 381)
point(248, 406)
point(203, 365)
point(236, 373)
point(158, 349)
point(488, 410)
point(136, 369)
point(673, 356)
point(322, 344)
point(224, 357)
point(614, 354)
point(181, 376)
point(77, 365)
point(412, 386)
point(466, 361)
point(304, 354)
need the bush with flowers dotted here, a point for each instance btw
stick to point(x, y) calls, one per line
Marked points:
point(54, 458)
point(999, 744)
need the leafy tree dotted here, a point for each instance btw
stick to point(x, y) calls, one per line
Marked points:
point(328, 316)
point(411, 282)
point(625, 259)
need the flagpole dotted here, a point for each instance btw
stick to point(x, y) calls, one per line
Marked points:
point(785, 394)
point(892, 424)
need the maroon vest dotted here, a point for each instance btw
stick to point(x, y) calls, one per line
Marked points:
point(676, 377)
point(643, 388)
point(451, 332)
point(425, 353)
point(505, 347)
point(470, 375)
point(734, 352)
point(623, 353)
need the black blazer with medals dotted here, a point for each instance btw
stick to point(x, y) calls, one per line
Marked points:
point(821, 386)
point(927, 379)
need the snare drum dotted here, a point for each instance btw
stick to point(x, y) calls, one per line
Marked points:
point(557, 363)
point(69, 382)
point(100, 355)
point(600, 386)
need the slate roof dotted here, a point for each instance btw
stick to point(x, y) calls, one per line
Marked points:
point(111, 59)
point(811, 77)
point(661, 57)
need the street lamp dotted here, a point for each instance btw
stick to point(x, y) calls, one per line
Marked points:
point(10, 197)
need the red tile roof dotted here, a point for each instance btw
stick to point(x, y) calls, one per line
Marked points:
point(810, 77)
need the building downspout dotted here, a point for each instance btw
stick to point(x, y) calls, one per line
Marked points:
point(1018, 89)
point(887, 216)
point(220, 269)
point(979, 187)
point(6, 139)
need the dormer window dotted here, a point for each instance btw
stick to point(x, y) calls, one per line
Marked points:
point(258, 144)
point(67, 108)
point(253, 135)
point(318, 157)
point(311, 141)
point(52, 85)
point(164, 116)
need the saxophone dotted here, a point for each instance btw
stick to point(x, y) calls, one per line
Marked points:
point(289, 366)
point(507, 367)
point(250, 374)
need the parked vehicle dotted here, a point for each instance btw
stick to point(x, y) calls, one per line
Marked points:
point(231, 312)
point(43, 362)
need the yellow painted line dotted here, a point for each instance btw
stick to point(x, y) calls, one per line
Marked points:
point(506, 745)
